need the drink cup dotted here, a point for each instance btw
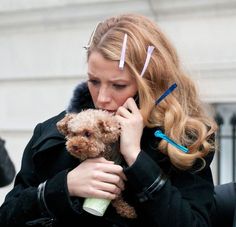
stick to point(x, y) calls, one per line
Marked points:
point(96, 206)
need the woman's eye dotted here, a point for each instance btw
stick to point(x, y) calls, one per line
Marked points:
point(94, 82)
point(119, 86)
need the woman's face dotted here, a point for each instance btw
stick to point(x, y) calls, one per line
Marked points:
point(109, 86)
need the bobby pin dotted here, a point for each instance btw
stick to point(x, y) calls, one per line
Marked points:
point(122, 57)
point(167, 92)
point(149, 54)
point(160, 134)
point(91, 37)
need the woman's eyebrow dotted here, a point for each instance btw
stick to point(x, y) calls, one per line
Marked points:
point(119, 80)
point(90, 74)
point(112, 80)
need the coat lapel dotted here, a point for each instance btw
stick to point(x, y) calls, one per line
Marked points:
point(50, 155)
point(50, 138)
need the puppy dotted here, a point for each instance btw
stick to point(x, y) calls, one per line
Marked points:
point(95, 133)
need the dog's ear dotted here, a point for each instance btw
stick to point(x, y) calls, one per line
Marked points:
point(104, 126)
point(110, 130)
point(62, 125)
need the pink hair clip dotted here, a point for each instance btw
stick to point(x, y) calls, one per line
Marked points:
point(122, 57)
point(149, 54)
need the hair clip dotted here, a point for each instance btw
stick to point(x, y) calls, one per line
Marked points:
point(160, 134)
point(167, 92)
point(149, 54)
point(122, 57)
point(91, 37)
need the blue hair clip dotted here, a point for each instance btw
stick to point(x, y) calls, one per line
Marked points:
point(160, 134)
point(167, 92)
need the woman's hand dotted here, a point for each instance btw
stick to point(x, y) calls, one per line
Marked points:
point(97, 178)
point(131, 122)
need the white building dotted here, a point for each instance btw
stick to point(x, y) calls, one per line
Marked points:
point(42, 59)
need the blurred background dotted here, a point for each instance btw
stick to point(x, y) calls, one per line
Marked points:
point(42, 59)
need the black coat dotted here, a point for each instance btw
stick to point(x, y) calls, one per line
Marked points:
point(185, 199)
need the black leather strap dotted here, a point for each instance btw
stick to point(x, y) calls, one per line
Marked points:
point(41, 200)
point(48, 218)
point(156, 186)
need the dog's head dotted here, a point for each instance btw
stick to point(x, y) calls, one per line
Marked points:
point(89, 132)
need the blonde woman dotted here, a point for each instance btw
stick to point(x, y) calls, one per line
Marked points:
point(167, 140)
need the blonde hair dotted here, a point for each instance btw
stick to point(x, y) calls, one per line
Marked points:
point(181, 115)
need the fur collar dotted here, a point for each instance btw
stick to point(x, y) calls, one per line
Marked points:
point(81, 99)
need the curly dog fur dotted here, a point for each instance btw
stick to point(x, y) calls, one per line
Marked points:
point(93, 133)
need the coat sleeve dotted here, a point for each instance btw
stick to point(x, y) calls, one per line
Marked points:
point(184, 199)
point(20, 203)
point(22, 206)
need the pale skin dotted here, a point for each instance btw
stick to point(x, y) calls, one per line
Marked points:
point(111, 89)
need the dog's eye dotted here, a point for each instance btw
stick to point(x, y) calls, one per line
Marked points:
point(72, 134)
point(87, 134)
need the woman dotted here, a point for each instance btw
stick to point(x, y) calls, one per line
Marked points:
point(131, 65)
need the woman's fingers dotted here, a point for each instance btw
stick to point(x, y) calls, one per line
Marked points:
point(124, 112)
point(112, 168)
point(131, 105)
point(109, 172)
point(107, 187)
point(95, 193)
point(96, 177)
point(100, 160)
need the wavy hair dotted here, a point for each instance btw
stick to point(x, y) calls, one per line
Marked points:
point(181, 115)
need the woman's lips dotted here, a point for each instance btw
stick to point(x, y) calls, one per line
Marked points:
point(111, 111)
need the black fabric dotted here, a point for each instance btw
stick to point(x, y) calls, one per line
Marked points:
point(185, 199)
point(7, 168)
point(224, 206)
point(81, 99)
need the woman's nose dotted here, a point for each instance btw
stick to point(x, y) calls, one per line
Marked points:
point(103, 96)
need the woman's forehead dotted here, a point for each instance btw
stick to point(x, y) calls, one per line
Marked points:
point(99, 66)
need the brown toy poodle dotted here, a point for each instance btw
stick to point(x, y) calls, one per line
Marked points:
point(95, 133)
